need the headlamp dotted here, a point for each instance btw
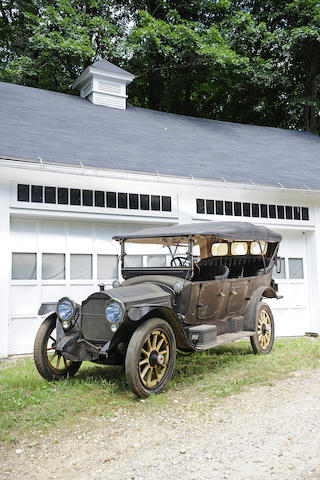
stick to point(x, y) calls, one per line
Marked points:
point(66, 310)
point(113, 312)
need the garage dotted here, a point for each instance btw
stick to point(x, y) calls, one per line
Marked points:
point(292, 312)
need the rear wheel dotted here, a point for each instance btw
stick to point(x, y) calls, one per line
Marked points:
point(262, 340)
point(49, 362)
point(150, 357)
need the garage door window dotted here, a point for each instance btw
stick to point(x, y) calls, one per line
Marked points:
point(156, 260)
point(24, 266)
point(80, 266)
point(133, 261)
point(107, 267)
point(296, 268)
point(53, 266)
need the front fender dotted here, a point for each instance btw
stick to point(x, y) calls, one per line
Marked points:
point(143, 312)
point(48, 307)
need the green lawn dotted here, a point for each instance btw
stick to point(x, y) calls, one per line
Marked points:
point(29, 404)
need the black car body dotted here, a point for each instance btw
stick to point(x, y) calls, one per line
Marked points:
point(193, 304)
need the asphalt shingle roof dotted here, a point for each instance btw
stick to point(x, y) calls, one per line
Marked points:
point(67, 129)
point(109, 67)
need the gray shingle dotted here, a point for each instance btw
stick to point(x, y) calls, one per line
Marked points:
point(68, 129)
point(109, 67)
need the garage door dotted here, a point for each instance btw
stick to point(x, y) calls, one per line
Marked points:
point(292, 313)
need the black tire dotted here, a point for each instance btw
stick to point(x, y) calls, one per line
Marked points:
point(262, 340)
point(46, 358)
point(149, 363)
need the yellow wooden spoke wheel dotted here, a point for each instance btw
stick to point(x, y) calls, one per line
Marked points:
point(262, 340)
point(150, 357)
point(49, 362)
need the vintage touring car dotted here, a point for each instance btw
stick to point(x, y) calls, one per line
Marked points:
point(193, 304)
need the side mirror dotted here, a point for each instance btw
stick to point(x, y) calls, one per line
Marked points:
point(278, 265)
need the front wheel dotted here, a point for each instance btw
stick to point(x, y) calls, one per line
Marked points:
point(49, 362)
point(262, 340)
point(150, 357)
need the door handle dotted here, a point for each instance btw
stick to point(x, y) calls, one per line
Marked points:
point(234, 292)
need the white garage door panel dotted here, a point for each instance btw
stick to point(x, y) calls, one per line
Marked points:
point(80, 238)
point(22, 332)
point(23, 235)
point(22, 299)
point(290, 322)
point(103, 239)
point(52, 236)
point(79, 292)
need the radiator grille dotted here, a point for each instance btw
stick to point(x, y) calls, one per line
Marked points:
point(94, 323)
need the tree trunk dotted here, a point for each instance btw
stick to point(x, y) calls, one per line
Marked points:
point(312, 85)
point(155, 90)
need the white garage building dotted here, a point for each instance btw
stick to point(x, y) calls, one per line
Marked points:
point(74, 171)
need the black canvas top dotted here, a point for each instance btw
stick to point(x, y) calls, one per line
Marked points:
point(69, 130)
point(224, 230)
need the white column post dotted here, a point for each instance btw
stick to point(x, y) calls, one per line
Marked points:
point(5, 261)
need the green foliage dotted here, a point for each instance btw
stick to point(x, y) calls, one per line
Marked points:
point(248, 61)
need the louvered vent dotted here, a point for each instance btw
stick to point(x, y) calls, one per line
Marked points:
point(108, 100)
point(109, 87)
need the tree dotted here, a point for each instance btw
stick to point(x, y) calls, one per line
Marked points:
point(46, 44)
point(248, 61)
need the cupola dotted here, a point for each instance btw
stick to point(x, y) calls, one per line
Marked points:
point(103, 83)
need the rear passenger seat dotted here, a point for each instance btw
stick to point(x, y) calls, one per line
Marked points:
point(238, 265)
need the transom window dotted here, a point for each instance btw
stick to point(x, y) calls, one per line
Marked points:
point(245, 209)
point(93, 198)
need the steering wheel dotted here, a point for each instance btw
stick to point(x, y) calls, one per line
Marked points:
point(179, 262)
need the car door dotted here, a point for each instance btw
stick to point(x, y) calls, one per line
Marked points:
point(237, 296)
point(212, 300)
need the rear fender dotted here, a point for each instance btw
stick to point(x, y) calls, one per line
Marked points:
point(249, 319)
point(143, 312)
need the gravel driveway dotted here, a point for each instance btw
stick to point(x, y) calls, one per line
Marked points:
point(269, 432)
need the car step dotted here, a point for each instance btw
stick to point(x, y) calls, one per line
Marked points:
point(204, 337)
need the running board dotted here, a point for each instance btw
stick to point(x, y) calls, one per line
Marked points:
point(231, 337)
point(204, 337)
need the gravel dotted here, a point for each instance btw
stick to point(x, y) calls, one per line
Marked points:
point(269, 432)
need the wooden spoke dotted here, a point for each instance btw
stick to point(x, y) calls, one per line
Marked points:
point(144, 371)
point(56, 361)
point(144, 361)
point(162, 339)
point(54, 355)
point(149, 375)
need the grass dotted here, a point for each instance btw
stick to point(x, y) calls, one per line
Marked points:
point(29, 405)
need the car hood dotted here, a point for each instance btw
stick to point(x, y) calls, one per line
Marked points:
point(141, 294)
